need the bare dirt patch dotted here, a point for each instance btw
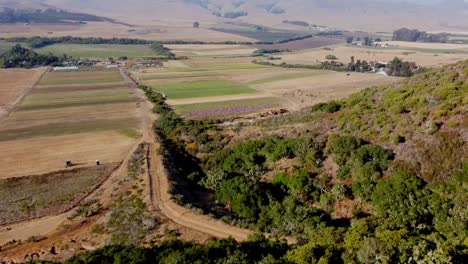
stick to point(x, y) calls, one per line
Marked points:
point(305, 92)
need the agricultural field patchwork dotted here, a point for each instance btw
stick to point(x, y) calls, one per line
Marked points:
point(66, 121)
point(206, 81)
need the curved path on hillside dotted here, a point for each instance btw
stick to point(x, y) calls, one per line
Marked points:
point(161, 200)
point(159, 186)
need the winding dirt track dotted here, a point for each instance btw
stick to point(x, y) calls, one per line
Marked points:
point(161, 200)
point(159, 189)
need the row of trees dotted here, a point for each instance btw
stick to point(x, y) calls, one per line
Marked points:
point(396, 67)
point(414, 35)
point(40, 42)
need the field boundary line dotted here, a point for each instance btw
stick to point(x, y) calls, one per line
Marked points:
point(9, 109)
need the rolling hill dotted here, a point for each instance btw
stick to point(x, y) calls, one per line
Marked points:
point(449, 15)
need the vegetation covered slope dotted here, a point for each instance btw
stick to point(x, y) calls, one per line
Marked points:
point(365, 180)
point(19, 57)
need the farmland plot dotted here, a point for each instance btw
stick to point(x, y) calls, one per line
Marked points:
point(67, 121)
point(81, 77)
point(203, 89)
point(13, 85)
point(228, 108)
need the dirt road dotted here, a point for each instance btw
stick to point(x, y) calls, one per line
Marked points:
point(161, 200)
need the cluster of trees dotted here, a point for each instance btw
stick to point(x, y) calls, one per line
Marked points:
point(297, 23)
point(19, 57)
point(326, 65)
point(262, 52)
point(256, 250)
point(8, 15)
point(408, 224)
point(400, 214)
point(396, 67)
point(366, 41)
point(400, 68)
point(163, 51)
point(414, 35)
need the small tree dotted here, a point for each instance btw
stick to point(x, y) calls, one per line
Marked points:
point(349, 40)
point(331, 57)
point(196, 24)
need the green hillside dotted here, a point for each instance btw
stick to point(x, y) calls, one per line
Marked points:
point(380, 177)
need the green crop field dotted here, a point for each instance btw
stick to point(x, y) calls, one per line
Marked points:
point(81, 77)
point(286, 77)
point(203, 89)
point(100, 50)
point(179, 76)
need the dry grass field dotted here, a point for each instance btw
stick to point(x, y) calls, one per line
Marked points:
point(423, 54)
point(307, 91)
point(212, 50)
point(61, 120)
point(13, 84)
point(156, 31)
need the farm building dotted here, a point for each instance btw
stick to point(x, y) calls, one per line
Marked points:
point(68, 68)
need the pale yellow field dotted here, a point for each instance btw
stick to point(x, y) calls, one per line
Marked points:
point(14, 83)
point(344, 53)
point(25, 119)
point(211, 50)
point(179, 31)
point(303, 92)
point(52, 126)
point(47, 154)
point(405, 44)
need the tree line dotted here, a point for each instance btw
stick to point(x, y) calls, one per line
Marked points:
point(20, 57)
point(40, 42)
point(414, 35)
point(396, 67)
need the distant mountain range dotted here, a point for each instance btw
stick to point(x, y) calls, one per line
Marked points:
point(371, 15)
